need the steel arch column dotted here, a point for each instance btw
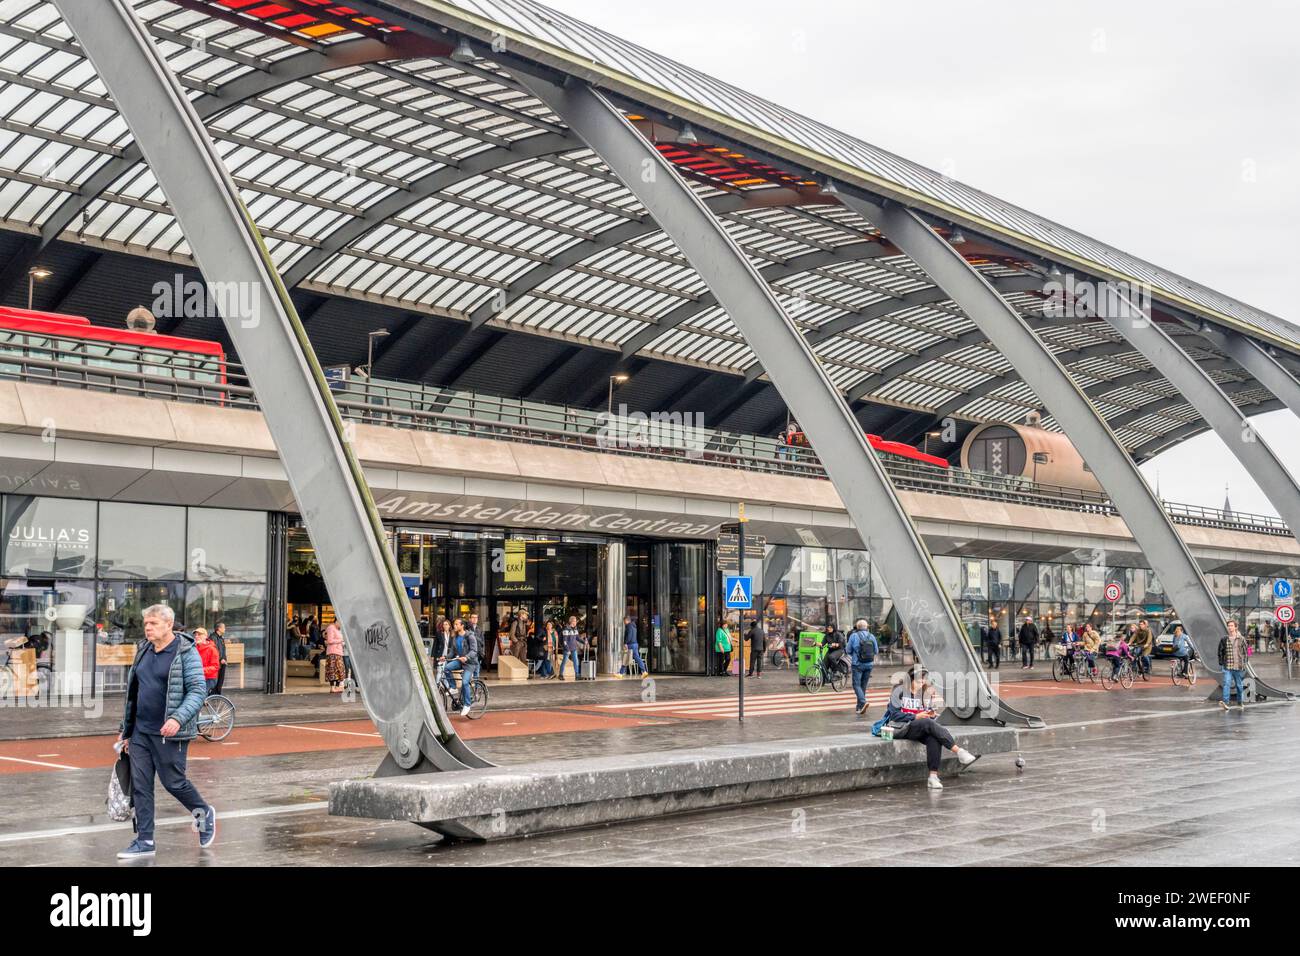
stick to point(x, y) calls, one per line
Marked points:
point(1212, 403)
point(884, 526)
point(1256, 360)
point(1147, 520)
point(326, 479)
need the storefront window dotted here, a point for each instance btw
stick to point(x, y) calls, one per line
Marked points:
point(687, 631)
point(242, 607)
point(119, 607)
point(1001, 575)
point(49, 536)
point(950, 571)
point(48, 622)
point(143, 542)
point(226, 545)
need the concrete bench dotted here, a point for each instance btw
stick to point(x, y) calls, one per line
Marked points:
point(526, 799)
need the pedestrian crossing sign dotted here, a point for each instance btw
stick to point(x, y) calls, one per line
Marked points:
point(740, 591)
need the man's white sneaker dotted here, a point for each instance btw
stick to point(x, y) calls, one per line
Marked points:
point(1223, 705)
point(934, 783)
point(464, 711)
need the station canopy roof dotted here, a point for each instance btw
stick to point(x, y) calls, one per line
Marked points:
point(383, 170)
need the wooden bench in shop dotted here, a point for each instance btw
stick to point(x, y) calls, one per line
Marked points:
point(123, 655)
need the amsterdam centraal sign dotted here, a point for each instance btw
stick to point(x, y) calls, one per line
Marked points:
point(515, 514)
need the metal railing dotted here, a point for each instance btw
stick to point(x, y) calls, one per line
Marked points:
point(669, 437)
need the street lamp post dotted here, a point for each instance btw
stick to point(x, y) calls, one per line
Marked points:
point(370, 350)
point(34, 273)
point(609, 405)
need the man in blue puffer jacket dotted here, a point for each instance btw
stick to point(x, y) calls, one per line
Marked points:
point(164, 691)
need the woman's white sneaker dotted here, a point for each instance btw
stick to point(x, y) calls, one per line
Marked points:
point(965, 757)
point(934, 783)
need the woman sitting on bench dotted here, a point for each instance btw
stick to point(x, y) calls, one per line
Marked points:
point(912, 716)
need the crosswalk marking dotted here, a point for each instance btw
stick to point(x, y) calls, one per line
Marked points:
point(800, 702)
point(757, 705)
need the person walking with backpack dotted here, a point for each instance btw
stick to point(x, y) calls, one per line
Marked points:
point(164, 691)
point(863, 648)
point(1028, 641)
point(1233, 658)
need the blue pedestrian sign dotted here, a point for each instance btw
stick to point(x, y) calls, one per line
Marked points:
point(1281, 588)
point(740, 591)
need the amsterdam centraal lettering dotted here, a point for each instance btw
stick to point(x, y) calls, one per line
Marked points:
point(541, 516)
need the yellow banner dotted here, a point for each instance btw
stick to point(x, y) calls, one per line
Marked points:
point(516, 562)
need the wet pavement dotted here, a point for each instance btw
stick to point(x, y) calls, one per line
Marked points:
point(1148, 776)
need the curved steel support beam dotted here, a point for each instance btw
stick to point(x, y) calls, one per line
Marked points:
point(1051, 382)
point(248, 86)
point(930, 296)
point(359, 569)
point(400, 200)
point(868, 495)
point(1257, 361)
point(1155, 446)
point(1211, 403)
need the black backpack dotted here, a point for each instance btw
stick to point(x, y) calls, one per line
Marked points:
point(1223, 652)
point(866, 648)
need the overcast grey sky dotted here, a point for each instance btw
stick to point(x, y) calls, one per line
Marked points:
point(1170, 130)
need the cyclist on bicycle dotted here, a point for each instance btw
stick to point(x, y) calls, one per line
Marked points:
point(1119, 652)
point(1072, 642)
point(833, 645)
point(1144, 642)
point(466, 661)
point(1184, 652)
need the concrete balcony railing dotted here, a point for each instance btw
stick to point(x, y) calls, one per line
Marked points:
point(473, 414)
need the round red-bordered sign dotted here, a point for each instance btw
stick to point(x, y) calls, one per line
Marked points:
point(1114, 592)
point(1285, 613)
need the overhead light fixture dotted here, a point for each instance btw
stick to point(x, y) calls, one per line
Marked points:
point(826, 187)
point(687, 135)
point(956, 237)
point(1055, 273)
point(34, 273)
point(463, 53)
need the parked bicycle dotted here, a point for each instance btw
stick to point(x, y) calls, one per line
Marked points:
point(784, 656)
point(12, 678)
point(216, 717)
